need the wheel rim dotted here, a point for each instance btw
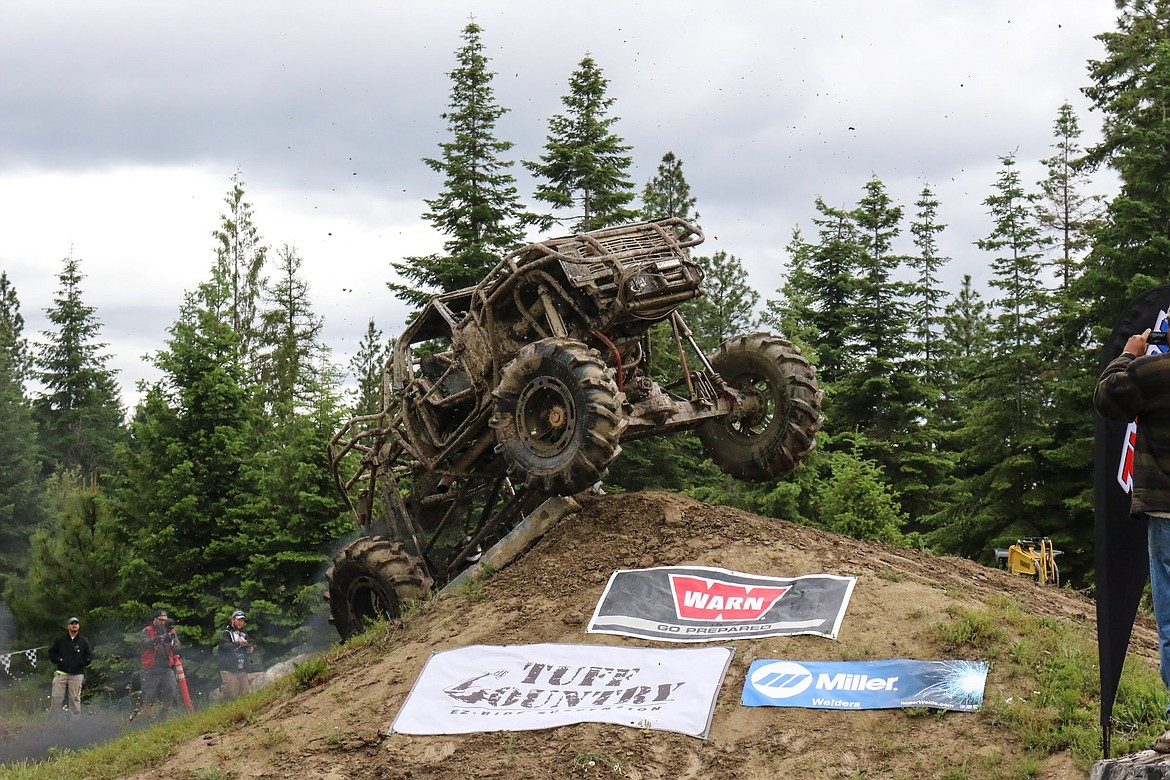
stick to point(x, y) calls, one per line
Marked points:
point(545, 417)
point(759, 406)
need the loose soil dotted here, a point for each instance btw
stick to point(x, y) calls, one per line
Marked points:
point(339, 729)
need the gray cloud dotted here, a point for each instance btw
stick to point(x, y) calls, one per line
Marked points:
point(328, 108)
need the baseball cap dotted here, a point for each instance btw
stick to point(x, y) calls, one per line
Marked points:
point(72, 620)
point(238, 614)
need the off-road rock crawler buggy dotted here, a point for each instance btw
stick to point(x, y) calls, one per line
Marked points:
point(523, 387)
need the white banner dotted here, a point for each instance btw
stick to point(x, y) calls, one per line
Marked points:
point(525, 687)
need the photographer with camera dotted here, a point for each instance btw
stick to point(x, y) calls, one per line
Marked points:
point(1136, 386)
point(234, 651)
point(159, 646)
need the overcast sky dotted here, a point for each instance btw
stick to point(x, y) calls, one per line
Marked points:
point(122, 123)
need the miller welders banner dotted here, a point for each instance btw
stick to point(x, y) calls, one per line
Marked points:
point(525, 687)
point(1122, 555)
point(866, 685)
point(702, 604)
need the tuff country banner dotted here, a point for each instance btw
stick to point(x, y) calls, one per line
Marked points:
point(702, 604)
point(525, 687)
point(866, 685)
point(1122, 557)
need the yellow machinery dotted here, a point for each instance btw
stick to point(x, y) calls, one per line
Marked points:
point(1032, 557)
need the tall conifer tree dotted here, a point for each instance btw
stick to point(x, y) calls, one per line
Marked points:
point(478, 212)
point(668, 194)
point(1006, 429)
point(1131, 88)
point(584, 164)
point(928, 292)
point(294, 363)
point(366, 368)
point(186, 475)
point(240, 259)
point(22, 489)
point(80, 410)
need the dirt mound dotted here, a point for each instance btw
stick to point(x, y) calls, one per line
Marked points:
point(338, 729)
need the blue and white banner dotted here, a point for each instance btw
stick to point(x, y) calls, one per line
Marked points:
point(522, 687)
point(866, 685)
point(705, 604)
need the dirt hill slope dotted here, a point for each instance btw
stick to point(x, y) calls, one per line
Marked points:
point(338, 730)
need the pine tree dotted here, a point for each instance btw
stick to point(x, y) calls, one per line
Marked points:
point(585, 162)
point(966, 329)
point(12, 339)
point(1067, 214)
point(73, 563)
point(22, 491)
point(880, 321)
point(1131, 88)
point(795, 311)
point(1006, 430)
point(80, 411)
point(728, 306)
point(193, 438)
point(366, 368)
point(293, 362)
point(668, 194)
point(240, 258)
point(288, 525)
point(927, 290)
point(858, 501)
point(888, 399)
point(821, 292)
point(1063, 210)
point(478, 210)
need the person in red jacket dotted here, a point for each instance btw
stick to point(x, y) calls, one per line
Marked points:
point(159, 645)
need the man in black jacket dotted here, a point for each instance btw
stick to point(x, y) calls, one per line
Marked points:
point(70, 653)
point(234, 649)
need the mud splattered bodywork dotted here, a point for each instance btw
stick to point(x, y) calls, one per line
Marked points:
point(524, 386)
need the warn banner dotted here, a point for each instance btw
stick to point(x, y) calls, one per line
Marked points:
point(866, 685)
point(525, 687)
point(701, 604)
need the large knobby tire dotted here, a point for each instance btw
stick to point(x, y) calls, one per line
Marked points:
point(782, 389)
point(557, 416)
point(370, 579)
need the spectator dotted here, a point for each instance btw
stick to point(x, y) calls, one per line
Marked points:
point(70, 653)
point(1136, 386)
point(159, 646)
point(234, 649)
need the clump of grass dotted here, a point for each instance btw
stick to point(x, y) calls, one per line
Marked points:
point(969, 628)
point(310, 672)
point(416, 607)
point(212, 773)
point(1044, 683)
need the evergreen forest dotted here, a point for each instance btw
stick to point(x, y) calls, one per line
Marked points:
point(956, 420)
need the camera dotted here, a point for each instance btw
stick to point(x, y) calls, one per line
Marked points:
point(1158, 338)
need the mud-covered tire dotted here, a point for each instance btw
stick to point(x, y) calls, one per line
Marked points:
point(783, 384)
point(370, 579)
point(557, 418)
